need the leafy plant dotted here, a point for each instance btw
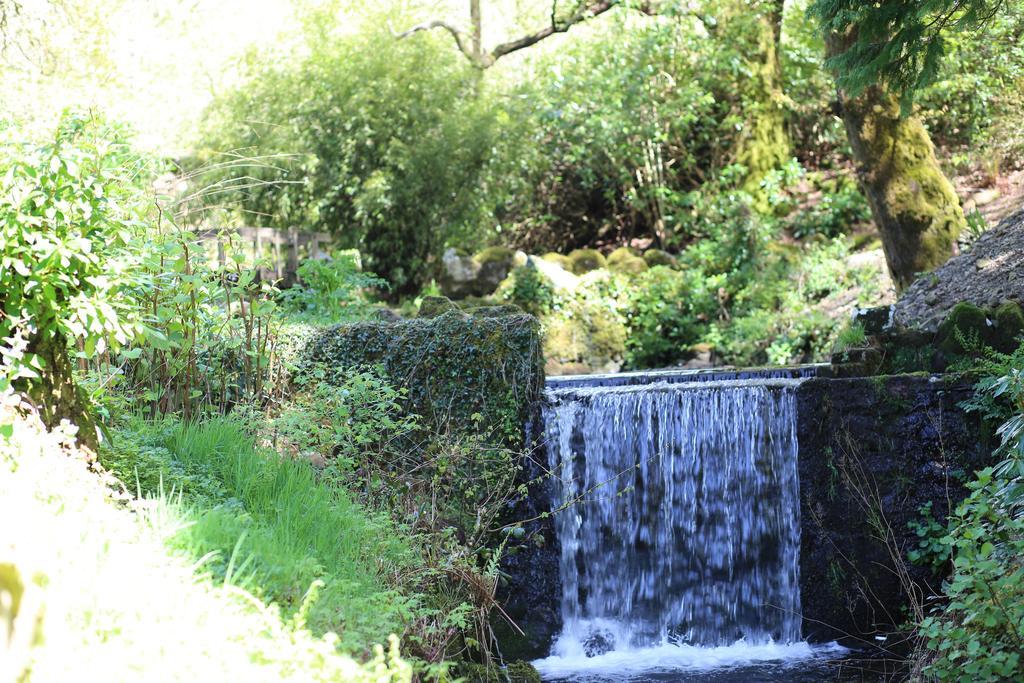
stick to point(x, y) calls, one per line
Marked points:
point(68, 235)
point(978, 631)
point(331, 288)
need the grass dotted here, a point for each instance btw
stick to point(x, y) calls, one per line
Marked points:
point(95, 586)
point(272, 527)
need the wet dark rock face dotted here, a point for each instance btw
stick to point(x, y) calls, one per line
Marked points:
point(530, 590)
point(873, 451)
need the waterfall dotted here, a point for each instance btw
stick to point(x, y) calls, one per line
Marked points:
point(678, 512)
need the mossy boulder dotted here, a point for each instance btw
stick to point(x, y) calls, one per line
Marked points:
point(585, 260)
point(626, 261)
point(479, 275)
point(502, 255)
point(965, 327)
point(587, 339)
point(657, 257)
point(1009, 320)
point(558, 259)
point(433, 306)
point(515, 672)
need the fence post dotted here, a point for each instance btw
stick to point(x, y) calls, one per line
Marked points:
point(293, 255)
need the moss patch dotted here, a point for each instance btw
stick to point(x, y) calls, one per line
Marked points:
point(585, 260)
point(495, 255)
point(657, 257)
point(433, 306)
point(558, 259)
point(627, 261)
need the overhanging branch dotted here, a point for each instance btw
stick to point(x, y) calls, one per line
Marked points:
point(483, 59)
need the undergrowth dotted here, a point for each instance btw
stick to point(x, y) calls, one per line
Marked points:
point(126, 589)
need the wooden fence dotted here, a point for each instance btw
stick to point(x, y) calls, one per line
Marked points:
point(277, 251)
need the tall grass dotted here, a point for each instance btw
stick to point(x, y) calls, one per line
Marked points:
point(272, 527)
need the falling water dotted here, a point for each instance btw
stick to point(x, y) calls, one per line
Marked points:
point(681, 521)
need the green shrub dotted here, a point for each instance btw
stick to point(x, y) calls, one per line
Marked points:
point(530, 290)
point(378, 141)
point(70, 249)
point(840, 208)
point(662, 317)
point(977, 631)
point(657, 257)
point(626, 261)
point(331, 289)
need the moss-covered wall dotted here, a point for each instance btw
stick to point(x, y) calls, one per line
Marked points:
point(873, 451)
point(461, 371)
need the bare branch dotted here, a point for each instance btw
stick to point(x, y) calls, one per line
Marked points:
point(456, 34)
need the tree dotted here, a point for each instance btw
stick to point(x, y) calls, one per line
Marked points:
point(881, 53)
point(752, 26)
point(913, 204)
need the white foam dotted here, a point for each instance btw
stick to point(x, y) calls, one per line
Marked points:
point(667, 658)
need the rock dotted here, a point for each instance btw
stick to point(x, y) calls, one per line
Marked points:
point(479, 275)
point(624, 260)
point(989, 274)
point(874, 320)
point(966, 326)
point(433, 306)
point(985, 197)
point(657, 257)
point(558, 260)
point(559, 277)
point(701, 357)
point(522, 672)
point(585, 260)
point(598, 642)
point(1009, 319)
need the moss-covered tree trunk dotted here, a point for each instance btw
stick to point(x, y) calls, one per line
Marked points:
point(912, 202)
point(764, 143)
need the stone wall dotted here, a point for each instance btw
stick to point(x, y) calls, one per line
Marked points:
point(873, 451)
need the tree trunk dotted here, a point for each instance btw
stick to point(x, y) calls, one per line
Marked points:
point(55, 393)
point(764, 144)
point(912, 202)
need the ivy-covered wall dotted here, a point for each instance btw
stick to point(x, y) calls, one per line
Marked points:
point(461, 371)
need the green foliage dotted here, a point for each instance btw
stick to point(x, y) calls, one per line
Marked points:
point(978, 631)
point(331, 289)
point(975, 103)
point(530, 290)
point(68, 238)
point(344, 416)
point(663, 311)
point(931, 550)
point(266, 524)
point(378, 141)
point(840, 208)
point(851, 336)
